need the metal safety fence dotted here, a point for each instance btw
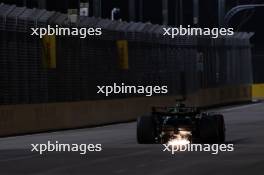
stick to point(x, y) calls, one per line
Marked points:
point(258, 71)
point(185, 64)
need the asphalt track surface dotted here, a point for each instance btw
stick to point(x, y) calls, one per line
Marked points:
point(122, 155)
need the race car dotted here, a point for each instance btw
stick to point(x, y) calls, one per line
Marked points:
point(180, 122)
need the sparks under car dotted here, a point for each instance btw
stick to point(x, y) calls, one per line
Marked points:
point(180, 122)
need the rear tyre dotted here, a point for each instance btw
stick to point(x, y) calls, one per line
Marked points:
point(221, 128)
point(146, 130)
point(212, 129)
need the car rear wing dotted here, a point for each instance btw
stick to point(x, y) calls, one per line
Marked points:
point(175, 111)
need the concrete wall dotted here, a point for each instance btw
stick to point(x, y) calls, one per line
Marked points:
point(31, 118)
point(258, 91)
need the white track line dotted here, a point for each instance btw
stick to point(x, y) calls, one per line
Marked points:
point(240, 107)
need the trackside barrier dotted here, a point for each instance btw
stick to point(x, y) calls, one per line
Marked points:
point(51, 83)
point(258, 91)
